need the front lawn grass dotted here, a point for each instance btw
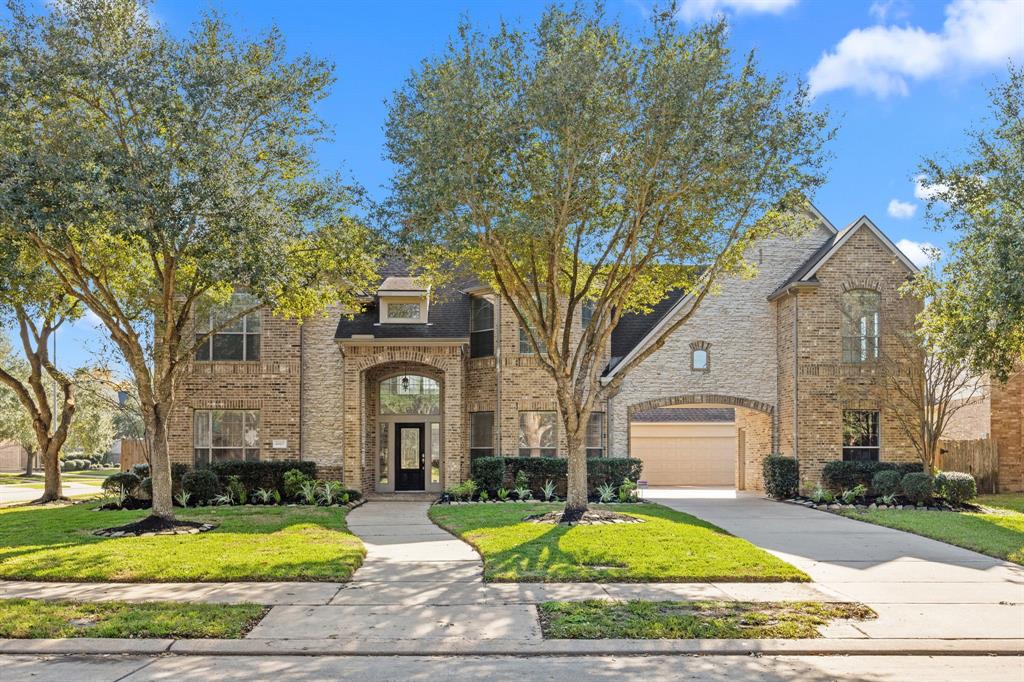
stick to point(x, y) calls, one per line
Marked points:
point(37, 619)
point(669, 547)
point(602, 619)
point(250, 543)
point(997, 532)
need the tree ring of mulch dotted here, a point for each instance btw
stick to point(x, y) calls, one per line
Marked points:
point(590, 517)
point(155, 525)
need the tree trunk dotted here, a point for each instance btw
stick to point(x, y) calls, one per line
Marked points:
point(577, 488)
point(30, 458)
point(53, 488)
point(159, 462)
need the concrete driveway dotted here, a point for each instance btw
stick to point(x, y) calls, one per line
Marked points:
point(919, 587)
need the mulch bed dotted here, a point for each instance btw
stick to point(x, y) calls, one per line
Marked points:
point(156, 525)
point(590, 517)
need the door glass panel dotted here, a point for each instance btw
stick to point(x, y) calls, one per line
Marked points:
point(410, 448)
point(385, 454)
point(435, 453)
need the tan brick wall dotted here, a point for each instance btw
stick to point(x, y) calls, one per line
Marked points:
point(1008, 431)
point(270, 385)
point(825, 385)
point(323, 392)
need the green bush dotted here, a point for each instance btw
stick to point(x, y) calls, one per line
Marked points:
point(124, 483)
point(956, 487)
point(886, 482)
point(146, 486)
point(201, 484)
point(256, 475)
point(293, 480)
point(841, 475)
point(781, 476)
point(141, 470)
point(918, 487)
point(492, 473)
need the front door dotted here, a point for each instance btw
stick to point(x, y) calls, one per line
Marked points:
point(410, 456)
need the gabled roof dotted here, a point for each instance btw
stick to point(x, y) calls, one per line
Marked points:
point(633, 327)
point(805, 274)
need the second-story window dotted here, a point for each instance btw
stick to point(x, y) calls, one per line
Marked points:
point(235, 341)
point(481, 328)
point(586, 313)
point(860, 325)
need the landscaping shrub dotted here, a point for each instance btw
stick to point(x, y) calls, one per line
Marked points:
point(141, 470)
point(492, 473)
point(202, 485)
point(781, 476)
point(255, 475)
point(956, 486)
point(918, 487)
point(886, 482)
point(293, 480)
point(125, 483)
point(146, 487)
point(841, 475)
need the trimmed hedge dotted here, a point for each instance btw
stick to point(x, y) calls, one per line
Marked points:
point(256, 475)
point(491, 473)
point(956, 486)
point(918, 487)
point(840, 475)
point(886, 482)
point(781, 476)
point(201, 484)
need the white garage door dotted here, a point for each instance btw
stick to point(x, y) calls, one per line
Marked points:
point(685, 454)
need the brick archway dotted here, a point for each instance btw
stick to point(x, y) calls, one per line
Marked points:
point(755, 423)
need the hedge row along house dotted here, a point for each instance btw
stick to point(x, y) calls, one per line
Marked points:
point(402, 395)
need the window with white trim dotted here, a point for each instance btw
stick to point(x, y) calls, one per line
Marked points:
point(222, 435)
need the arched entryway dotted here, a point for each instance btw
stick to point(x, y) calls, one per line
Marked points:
point(701, 440)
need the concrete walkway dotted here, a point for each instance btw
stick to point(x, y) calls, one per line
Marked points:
point(920, 588)
point(12, 494)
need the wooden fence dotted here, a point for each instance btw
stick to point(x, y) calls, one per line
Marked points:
point(979, 458)
point(133, 451)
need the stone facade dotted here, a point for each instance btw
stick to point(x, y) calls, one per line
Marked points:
point(778, 362)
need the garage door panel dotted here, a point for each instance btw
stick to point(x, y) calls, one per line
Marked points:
point(675, 454)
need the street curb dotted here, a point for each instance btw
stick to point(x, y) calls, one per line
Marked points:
point(519, 648)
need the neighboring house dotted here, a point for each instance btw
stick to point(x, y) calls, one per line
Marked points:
point(997, 413)
point(400, 395)
point(13, 457)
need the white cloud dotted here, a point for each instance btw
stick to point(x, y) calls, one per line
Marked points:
point(901, 209)
point(919, 253)
point(691, 10)
point(924, 191)
point(883, 59)
point(889, 9)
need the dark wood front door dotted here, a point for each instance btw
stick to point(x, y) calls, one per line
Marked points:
point(410, 456)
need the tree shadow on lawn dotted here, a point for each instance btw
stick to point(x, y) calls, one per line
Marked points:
point(250, 543)
point(669, 546)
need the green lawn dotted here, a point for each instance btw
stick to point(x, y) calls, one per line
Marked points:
point(998, 532)
point(602, 619)
point(670, 547)
point(91, 477)
point(36, 619)
point(251, 543)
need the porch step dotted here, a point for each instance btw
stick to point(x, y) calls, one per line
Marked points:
point(414, 496)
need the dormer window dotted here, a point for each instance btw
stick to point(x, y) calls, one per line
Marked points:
point(403, 300)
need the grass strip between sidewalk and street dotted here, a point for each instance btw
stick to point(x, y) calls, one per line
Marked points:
point(38, 619)
point(669, 546)
point(603, 619)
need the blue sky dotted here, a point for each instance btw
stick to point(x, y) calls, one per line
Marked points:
point(903, 79)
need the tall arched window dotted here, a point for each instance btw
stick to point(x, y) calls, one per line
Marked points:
point(410, 394)
point(861, 325)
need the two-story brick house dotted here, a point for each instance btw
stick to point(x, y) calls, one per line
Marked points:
point(400, 395)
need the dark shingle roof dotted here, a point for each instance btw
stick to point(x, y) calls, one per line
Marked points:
point(811, 261)
point(686, 414)
point(633, 327)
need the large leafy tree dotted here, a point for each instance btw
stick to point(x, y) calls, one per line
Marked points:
point(93, 429)
point(15, 420)
point(976, 303)
point(156, 175)
point(577, 165)
point(34, 305)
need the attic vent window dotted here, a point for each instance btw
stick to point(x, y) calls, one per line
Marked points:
point(403, 300)
point(404, 311)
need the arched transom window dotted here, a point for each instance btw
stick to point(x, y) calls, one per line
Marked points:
point(410, 394)
point(861, 325)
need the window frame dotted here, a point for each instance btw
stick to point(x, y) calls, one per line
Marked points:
point(863, 347)
point(205, 351)
point(599, 450)
point(435, 407)
point(856, 452)
point(485, 347)
point(475, 450)
point(542, 451)
point(248, 453)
